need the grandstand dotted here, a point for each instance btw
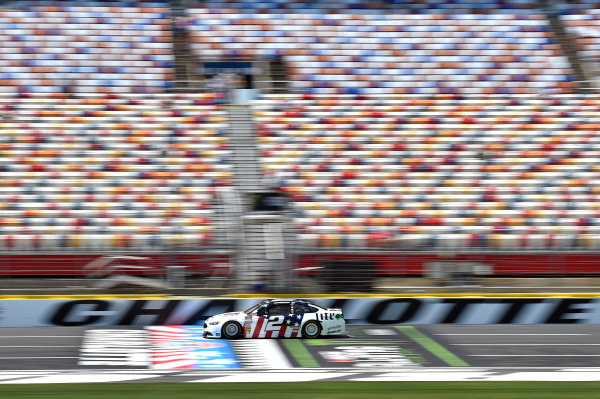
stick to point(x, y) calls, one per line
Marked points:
point(408, 136)
point(85, 48)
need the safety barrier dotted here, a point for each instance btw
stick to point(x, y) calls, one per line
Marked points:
point(357, 310)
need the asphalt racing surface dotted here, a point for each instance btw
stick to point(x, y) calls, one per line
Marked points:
point(374, 352)
point(521, 345)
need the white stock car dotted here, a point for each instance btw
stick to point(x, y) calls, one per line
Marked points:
point(277, 318)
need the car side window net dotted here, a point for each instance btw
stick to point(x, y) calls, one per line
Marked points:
point(279, 309)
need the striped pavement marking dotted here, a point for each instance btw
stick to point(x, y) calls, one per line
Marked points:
point(291, 375)
point(260, 354)
point(432, 346)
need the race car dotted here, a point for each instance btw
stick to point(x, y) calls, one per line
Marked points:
point(277, 318)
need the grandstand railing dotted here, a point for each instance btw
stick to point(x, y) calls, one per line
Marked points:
point(174, 272)
point(434, 272)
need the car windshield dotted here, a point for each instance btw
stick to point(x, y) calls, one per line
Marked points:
point(253, 308)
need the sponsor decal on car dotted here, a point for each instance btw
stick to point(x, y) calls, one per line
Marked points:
point(328, 316)
point(247, 325)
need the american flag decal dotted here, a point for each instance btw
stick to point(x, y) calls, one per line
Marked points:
point(293, 320)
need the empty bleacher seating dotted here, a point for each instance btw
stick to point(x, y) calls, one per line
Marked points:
point(399, 51)
point(110, 171)
point(416, 129)
point(446, 172)
point(85, 47)
point(372, 6)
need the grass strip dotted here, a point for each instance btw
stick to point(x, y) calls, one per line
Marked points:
point(313, 390)
point(432, 346)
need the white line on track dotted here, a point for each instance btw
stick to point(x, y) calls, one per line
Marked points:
point(504, 355)
point(535, 335)
point(39, 346)
point(403, 374)
point(38, 357)
point(510, 344)
point(41, 336)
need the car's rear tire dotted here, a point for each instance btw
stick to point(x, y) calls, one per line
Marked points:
point(311, 329)
point(231, 330)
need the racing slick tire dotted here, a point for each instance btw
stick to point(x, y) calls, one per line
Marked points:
point(311, 329)
point(231, 330)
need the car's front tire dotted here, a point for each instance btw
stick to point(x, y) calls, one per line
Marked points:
point(231, 330)
point(311, 329)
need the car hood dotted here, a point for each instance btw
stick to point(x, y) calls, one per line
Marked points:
point(228, 316)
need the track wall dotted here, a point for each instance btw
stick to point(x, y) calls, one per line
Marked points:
point(400, 310)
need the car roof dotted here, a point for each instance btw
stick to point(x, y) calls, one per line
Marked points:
point(275, 300)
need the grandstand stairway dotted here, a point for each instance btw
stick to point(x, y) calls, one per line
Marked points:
point(581, 74)
point(265, 266)
point(247, 173)
point(266, 239)
point(279, 77)
point(182, 60)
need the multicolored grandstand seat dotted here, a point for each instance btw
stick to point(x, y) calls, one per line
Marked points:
point(393, 51)
point(110, 171)
point(85, 47)
point(373, 6)
point(444, 172)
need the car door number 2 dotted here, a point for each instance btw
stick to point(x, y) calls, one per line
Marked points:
point(274, 323)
